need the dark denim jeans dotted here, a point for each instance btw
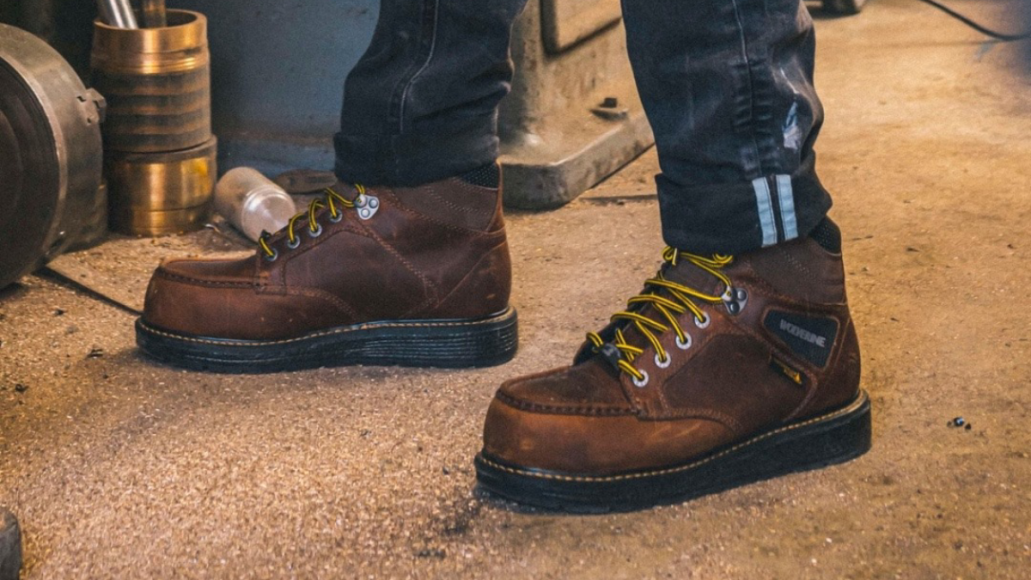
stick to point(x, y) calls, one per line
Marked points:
point(726, 84)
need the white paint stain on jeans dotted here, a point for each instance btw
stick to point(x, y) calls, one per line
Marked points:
point(792, 132)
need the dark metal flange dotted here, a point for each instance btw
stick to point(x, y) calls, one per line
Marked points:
point(50, 153)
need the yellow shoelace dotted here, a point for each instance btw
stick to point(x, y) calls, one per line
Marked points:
point(681, 301)
point(332, 199)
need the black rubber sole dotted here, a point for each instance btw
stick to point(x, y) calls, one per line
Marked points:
point(10, 546)
point(831, 438)
point(417, 343)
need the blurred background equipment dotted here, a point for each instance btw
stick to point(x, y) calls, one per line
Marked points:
point(154, 14)
point(160, 150)
point(117, 13)
point(50, 145)
point(154, 194)
point(843, 6)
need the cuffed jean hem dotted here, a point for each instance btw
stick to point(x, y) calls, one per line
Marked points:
point(416, 158)
point(734, 218)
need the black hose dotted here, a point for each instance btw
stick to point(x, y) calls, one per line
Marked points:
point(976, 26)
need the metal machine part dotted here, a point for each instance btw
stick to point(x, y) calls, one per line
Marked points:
point(843, 6)
point(117, 13)
point(154, 13)
point(94, 222)
point(157, 82)
point(160, 152)
point(155, 194)
point(297, 181)
point(574, 116)
point(50, 153)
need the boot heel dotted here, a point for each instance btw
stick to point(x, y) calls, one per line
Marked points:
point(835, 441)
point(480, 343)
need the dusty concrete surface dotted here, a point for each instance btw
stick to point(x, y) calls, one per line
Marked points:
point(119, 468)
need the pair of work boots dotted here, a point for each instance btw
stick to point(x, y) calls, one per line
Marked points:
point(720, 372)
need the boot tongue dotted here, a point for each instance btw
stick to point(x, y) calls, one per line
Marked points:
point(686, 273)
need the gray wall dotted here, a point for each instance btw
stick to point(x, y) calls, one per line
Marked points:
point(278, 68)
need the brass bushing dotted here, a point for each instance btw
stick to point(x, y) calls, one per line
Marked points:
point(154, 194)
point(157, 82)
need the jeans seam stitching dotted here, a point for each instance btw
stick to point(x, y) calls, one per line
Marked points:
point(751, 88)
point(429, 58)
point(397, 93)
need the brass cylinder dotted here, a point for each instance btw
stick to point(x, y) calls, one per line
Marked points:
point(157, 82)
point(154, 194)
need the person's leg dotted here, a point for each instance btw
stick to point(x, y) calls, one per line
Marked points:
point(729, 93)
point(412, 266)
point(422, 102)
point(739, 360)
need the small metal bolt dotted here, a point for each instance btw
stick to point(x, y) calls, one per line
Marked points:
point(610, 109)
point(957, 422)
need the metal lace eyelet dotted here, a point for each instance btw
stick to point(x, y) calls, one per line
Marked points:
point(734, 299)
point(703, 322)
point(367, 205)
point(272, 258)
point(316, 232)
point(293, 244)
point(663, 364)
point(642, 382)
point(686, 343)
point(337, 218)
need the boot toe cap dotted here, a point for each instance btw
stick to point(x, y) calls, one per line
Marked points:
point(524, 428)
point(193, 296)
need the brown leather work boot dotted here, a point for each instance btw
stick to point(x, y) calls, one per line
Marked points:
point(387, 276)
point(723, 371)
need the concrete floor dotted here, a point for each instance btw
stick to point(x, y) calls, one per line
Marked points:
point(119, 468)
